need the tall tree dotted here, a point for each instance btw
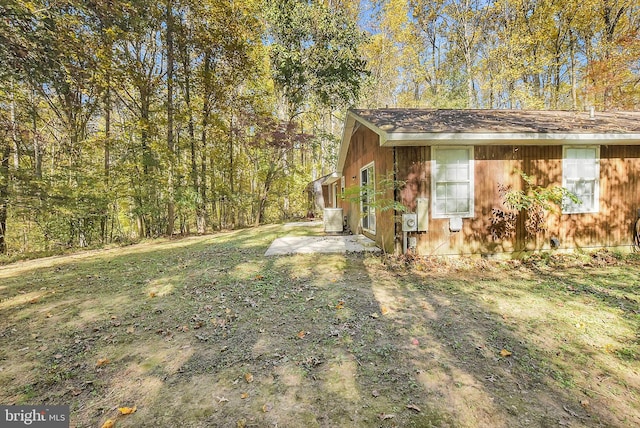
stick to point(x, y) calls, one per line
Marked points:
point(315, 55)
point(170, 140)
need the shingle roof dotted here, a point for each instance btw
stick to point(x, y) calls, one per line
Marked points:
point(499, 121)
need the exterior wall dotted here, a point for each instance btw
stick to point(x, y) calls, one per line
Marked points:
point(326, 197)
point(611, 226)
point(330, 193)
point(364, 148)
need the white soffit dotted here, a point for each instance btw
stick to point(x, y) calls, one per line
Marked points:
point(453, 138)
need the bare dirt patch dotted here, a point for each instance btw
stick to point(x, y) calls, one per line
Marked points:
point(207, 332)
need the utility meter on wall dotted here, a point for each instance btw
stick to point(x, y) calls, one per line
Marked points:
point(409, 222)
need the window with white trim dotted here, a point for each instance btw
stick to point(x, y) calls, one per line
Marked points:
point(367, 198)
point(452, 181)
point(581, 176)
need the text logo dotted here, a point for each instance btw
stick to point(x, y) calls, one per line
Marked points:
point(34, 416)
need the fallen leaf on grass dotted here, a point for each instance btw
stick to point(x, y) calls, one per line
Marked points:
point(413, 407)
point(267, 408)
point(244, 395)
point(49, 315)
point(34, 300)
point(222, 400)
point(374, 315)
point(340, 305)
point(384, 310)
point(415, 342)
point(505, 353)
point(127, 410)
point(385, 416)
point(248, 377)
point(102, 361)
point(108, 424)
point(375, 393)
point(302, 334)
point(152, 294)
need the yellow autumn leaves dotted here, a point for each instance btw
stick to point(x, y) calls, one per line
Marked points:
point(505, 353)
point(110, 423)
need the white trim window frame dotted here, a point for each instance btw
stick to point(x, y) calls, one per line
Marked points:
point(367, 198)
point(581, 176)
point(452, 181)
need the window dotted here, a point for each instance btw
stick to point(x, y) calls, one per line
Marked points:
point(367, 198)
point(452, 181)
point(581, 176)
point(342, 187)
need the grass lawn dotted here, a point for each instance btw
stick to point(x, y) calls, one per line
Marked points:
point(205, 331)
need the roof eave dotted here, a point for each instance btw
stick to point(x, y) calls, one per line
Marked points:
point(493, 138)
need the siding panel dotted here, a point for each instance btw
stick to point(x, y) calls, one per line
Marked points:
point(612, 226)
point(364, 149)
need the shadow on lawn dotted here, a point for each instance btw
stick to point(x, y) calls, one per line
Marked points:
point(294, 344)
point(555, 374)
point(207, 332)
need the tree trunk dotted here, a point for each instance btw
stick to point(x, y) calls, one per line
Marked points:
point(196, 182)
point(14, 131)
point(470, 88)
point(206, 110)
point(104, 221)
point(4, 193)
point(574, 84)
point(37, 156)
point(170, 143)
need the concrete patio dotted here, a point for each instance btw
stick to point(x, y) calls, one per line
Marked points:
point(321, 244)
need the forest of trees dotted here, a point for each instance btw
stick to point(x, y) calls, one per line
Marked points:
point(128, 119)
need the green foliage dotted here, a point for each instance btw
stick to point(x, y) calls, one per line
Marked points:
point(534, 196)
point(314, 53)
point(533, 202)
point(381, 194)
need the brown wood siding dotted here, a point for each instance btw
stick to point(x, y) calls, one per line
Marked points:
point(364, 148)
point(612, 226)
point(619, 203)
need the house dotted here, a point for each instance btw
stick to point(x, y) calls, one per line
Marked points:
point(446, 169)
point(321, 194)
